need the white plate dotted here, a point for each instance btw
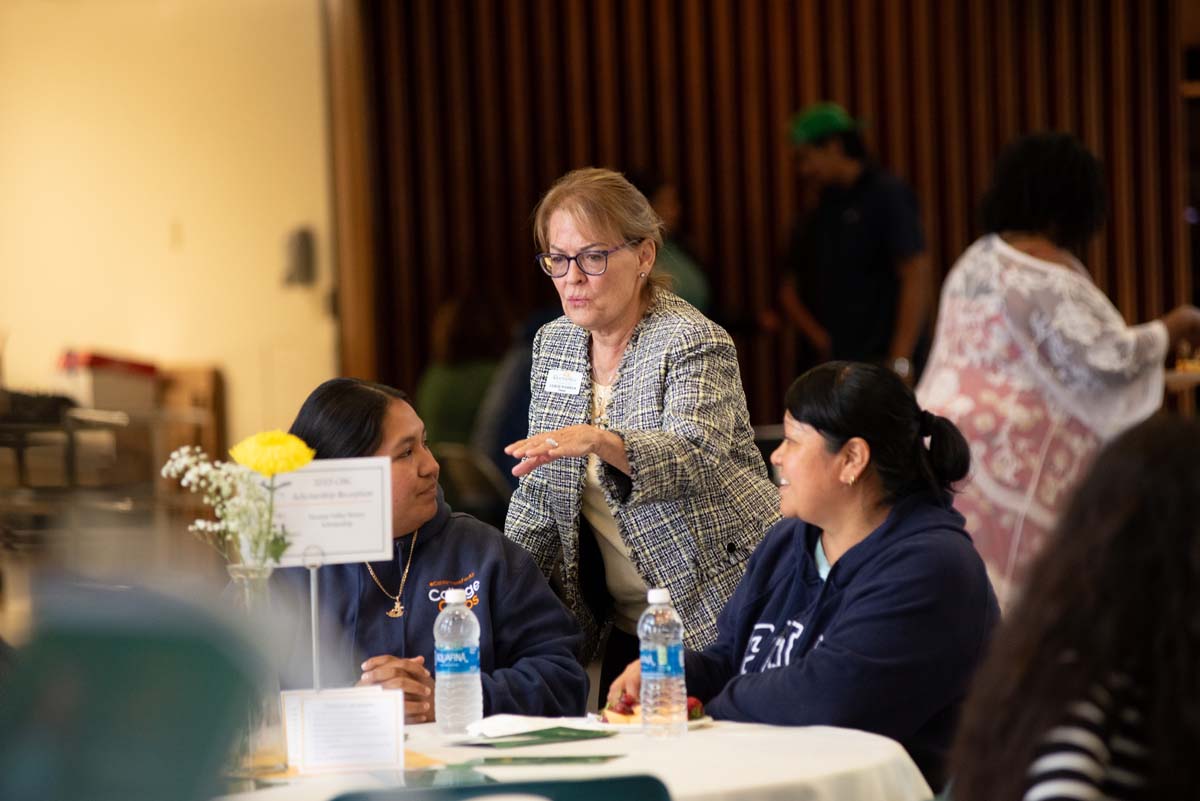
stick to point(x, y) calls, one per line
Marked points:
point(636, 728)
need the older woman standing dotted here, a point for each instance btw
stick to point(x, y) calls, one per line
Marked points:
point(640, 467)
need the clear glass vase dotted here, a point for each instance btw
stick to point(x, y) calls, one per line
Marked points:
point(260, 748)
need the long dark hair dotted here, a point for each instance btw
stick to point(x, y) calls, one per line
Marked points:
point(343, 417)
point(1048, 184)
point(843, 400)
point(1116, 588)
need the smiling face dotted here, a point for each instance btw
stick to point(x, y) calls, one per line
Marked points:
point(414, 470)
point(599, 303)
point(811, 485)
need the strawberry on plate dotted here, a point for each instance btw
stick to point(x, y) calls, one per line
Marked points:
point(625, 710)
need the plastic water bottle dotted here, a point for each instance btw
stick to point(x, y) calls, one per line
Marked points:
point(664, 691)
point(458, 690)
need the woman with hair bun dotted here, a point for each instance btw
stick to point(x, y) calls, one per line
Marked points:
point(867, 606)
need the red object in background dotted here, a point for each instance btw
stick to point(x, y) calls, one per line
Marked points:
point(71, 360)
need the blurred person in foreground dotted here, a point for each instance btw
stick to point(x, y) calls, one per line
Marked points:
point(859, 280)
point(866, 607)
point(1091, 688)
point(377, 617)
point(1031, 360)
point(639, 468)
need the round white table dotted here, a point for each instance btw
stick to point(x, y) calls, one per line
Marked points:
point(744, 761)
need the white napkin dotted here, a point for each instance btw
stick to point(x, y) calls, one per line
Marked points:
point(505, 725)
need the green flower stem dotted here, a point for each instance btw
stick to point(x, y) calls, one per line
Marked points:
point(265, 542)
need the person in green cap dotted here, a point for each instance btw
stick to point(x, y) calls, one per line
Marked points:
point(858, 281)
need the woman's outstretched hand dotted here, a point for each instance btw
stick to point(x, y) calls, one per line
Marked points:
point(544, 448)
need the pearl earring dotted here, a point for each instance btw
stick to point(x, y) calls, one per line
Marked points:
point(641, 275)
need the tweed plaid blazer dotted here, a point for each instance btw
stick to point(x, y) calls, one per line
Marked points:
point(699, 499)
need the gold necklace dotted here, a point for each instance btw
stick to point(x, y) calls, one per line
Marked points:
point(398, 609)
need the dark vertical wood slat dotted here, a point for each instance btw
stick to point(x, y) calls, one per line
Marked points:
point(864, 50)
point(430, 135)
point(808, 34)
point(797, 85)
point(403, 244)
point(726, 157)
point(549, 107)
point(520, 156)
point(1092, 101)
point(1175, 173)
point(982, 102)
point(1065, 81)
point(667, 145)
point(926, 134)
point(1119, 158)
point(694, 132)
point(634, 87)
point(1175, 198)
point(956, 203)
point(1150, 253)
point(610, 109)
point(756, 250)
point(356, 262)
point(897, 66)
point(487, 188)
point(837, 54)
point(459, 118)
point(1007, 125)
point(755, 223)
point(781, 106)
point(1036, 78)
point(578, 128)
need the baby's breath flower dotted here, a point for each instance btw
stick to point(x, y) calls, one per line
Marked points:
point(241, 502)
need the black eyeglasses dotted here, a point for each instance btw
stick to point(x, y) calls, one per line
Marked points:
point(591, 262)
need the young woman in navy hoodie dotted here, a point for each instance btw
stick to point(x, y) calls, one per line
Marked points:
point(867, 606)
point(377, 617)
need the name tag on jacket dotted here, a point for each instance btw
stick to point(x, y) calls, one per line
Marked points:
point(564, 382)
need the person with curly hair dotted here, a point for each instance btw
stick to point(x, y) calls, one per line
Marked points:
point(1031, 360)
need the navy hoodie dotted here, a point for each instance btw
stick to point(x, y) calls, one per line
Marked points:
point(527, 640)
point(886, 644)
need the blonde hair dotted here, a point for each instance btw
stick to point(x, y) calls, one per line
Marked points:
point(606, 202)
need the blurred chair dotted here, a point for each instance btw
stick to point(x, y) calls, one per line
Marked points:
point(472, 483)
point(121, 694)
point(623, 788)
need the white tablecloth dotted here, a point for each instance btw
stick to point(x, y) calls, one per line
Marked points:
point(748, 762)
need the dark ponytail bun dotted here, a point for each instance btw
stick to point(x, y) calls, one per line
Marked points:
point(949, 455)
point(842, 400)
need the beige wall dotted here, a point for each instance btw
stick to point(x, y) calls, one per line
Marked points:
point(154, 156)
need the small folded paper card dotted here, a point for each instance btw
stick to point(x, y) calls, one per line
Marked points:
point(558, 734)
point(336, 511)
point(357, 728)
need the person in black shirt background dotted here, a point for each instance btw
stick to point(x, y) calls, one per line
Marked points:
point(858, 282)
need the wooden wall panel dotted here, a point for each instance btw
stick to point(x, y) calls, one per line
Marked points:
point(451, 117)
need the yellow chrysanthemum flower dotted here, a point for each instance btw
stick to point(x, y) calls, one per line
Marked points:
point(272, 452)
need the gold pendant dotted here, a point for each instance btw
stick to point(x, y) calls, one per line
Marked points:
point(397, 610)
